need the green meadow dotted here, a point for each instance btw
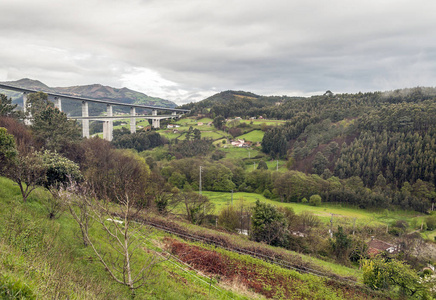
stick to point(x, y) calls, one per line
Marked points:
point(254, 136)
point(325, 211)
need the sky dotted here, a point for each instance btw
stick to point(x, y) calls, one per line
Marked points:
point(187, 50)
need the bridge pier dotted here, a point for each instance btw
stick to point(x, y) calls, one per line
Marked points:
point(108, 125)
point(132, 120)
point(85, 122)
point(155, 123)
point(58, 103)
point(27, 119)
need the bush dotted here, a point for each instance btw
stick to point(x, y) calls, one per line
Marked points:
point(228, 219)
point(431, 222)
point(315, 200)
point(267, 194)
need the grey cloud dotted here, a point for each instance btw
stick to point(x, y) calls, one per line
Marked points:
point(207, 46)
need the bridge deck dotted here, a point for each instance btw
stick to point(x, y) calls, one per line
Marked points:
point(24, 90)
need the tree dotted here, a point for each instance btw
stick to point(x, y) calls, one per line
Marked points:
point(380, 274)
point(219, 122)
point(262, 165)
point(189, 133)
point(21, 133)
point(108, 170)
point(126, 238)
point(269, 225)
point(196, 206)
point(51, 127)
point(60, 170)
point(315, 200)
point(28, 171)
point(197, 134)
point(319, 163)
point(7, 109)
point(161, 192)
point(8, 149)
point(228, 218)
point(341, 245)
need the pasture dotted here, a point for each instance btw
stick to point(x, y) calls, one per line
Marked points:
point(342, 214)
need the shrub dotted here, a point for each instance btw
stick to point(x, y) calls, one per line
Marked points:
point(431, 222)
point(228, 219)
point(315, 200)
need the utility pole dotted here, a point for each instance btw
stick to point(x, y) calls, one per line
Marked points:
point(331, 226)
point(200, 182)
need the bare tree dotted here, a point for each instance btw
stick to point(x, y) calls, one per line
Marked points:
point(114, 207)
point(125, 237)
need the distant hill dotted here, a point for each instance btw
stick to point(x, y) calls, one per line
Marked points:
point(236, 103)
point(95, 91)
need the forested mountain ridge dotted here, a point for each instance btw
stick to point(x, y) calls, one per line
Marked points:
point(235, 103)
point(95, 91)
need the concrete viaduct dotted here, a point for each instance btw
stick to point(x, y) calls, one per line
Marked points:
point(108, 119)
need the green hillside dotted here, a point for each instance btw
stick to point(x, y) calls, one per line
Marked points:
point(94, 91)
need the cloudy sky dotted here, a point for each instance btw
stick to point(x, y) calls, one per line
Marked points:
point(187, 50)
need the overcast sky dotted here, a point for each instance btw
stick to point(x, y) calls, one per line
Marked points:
point(187, 50)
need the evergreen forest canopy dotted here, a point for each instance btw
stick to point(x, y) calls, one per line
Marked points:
point(385, 141)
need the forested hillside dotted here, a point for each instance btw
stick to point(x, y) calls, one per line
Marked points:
point(385, 139)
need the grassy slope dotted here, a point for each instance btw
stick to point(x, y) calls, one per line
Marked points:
point(47, 257)
point(345, 213)
point(253, 136)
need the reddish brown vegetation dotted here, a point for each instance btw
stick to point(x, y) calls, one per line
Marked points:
point(258, 278)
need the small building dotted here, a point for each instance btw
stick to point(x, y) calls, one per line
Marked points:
point(240, 143)
point(172, 126)
point(376, 246)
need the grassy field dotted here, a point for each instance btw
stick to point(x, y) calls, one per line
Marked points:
point(254, 136)
point(235, 152)
point(211, 134)
point(341, 213)
point(264, 121)
point(272, 165)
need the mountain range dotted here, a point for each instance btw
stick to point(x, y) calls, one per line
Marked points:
point(95, 91)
